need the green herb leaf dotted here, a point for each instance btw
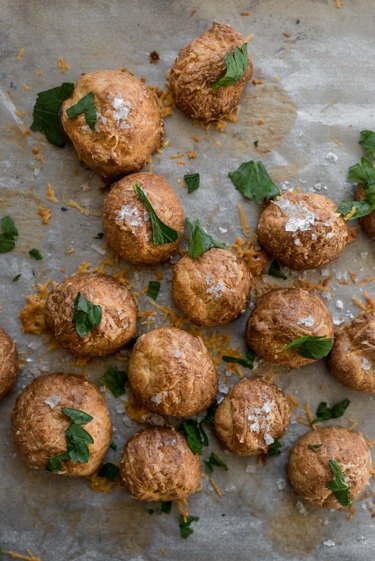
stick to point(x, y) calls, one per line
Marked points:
point(184, 525)
point(36, 254)
point(200, 241)
point(84, 105)
point(193, 435)
point(256, 142)
point(311, 346)
point(274, 449)
point(86, 316)
point(314, 447)
point(247, 362)
point(166, 507)
point(236, 65)
point(54, 463)
point(362, 173)
point(208, 419)
point(214, 461)
point(324, 413)
point(161, 233)
point(77, 416)
point(338, 485)
point(99, 236)
point(46, 115)
point(113, 445)
point(109, 471)
point(15, 279)
point(77, 439)
point(153, 289)
point(362, 208)
point(251, 179)
point(114, 380)
point(367, 140)
point(192, 181)
point(275, 270)
point(9, 235)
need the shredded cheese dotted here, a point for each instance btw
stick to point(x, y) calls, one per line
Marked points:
point(50, 194)
point(45, 214)
point(21, 52)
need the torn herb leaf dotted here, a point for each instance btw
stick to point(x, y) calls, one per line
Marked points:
point(236, 65)
point(311, 346)
point(214, 461)
point(314, 447)
point(114, 380)
point(46, 114)
point(192, 181)
point(325, 413)
point(184, 525)
point(247, 362)
point(9, 235)
point(86, 315)
point(153, 289)
point(200, 241)
point(338, 485)
point(275, 270)
point(85, 105)
point(35, 253)
point(161, 233)
point(367, 141)
point(109, 471)
point(251, 179)
point(274, 449)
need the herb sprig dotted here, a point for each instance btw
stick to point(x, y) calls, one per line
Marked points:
point(325, 413)
point(252, 180)
point(236, 65)
point(86, 315)
point(311, 346)
point(161, 233)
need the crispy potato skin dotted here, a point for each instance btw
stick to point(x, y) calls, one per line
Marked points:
point(367, 222)
point(233, 427)
point(352, 359)
point(158, 465)
point(309, 471)
point(8, 363)
point(171, 372)
point(213, 289)
point(302, 230)
point(128, 232)
point(198, 66)
point(283, 315)
point(39, 430)
point(119, 314)
point(116, 146)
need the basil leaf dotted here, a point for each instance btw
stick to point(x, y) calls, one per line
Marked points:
point(362, 173)
point(153, 289)
point(84, 105)
point(247, 362)
point(338, 485)
point(54, 463)
point(86, 316)
point(193, 435)
point(109, 471)
point(367, 140)
point(200, 241)
point(36, 254)
point(9, 235)
point(236, 66)
point(192, 181)
point(274, 449)
point(362, 208)
point(77, 416)
point(214, 461)
point(251, 179)
point(46, 114)
point(325, 413)
point(184, 525)
point(15, 279)
point(311, 346)
point(275, 270)
point(114, 380)
point(314, 447)
point(161, 233)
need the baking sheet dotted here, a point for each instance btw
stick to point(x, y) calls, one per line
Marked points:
point(317, 96)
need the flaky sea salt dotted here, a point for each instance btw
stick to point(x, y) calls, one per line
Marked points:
point(299, 217)
point(339, 304)
point(52, 401)
point(268, 439)
point(280, 484)
point(331, 157)
point(158, 398)
point(131, 215)
point(215, 289)
point(329, 543)
point(307, 321)
point(366, 364)
point(121, 112)
point(177, 354)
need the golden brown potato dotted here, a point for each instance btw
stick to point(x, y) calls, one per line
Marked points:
point(129, 126)
point(302, 230)
point(309, 470)
point(253, 414)
point(127, 225)
point(171, 372)
point(282, 316)
point(198, 66)
point(213, 289)
point(119, 314)
point(158, 465)
point(367, 222)
point(8, 363)
point(39, 424)
point(352, 359)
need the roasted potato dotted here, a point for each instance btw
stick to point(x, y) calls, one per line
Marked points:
point(119, 314)
point(129, 127)
point(39, 424)
point(213, 289)
point(198, 66)
point(127, 225)
point(302, 230)
point(283, 315)
point(8, 363)
point(158, 465)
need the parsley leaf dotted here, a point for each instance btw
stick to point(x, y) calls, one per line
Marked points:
point(195, 434)
point(324, 413)
point(86, 315)
point(247, 362)
point(208, 419)
point(200, 241)
point(274, 449)
point(236, 65)
point(252, 180)
point(46, 115)
point(338, 485)
point(114, 380)
point(153, 289)
point(192, 181)
point(9, 235)
point(362, 208)
point(362, 173)
point(314, 447)
point(184, 525)
point(214, 461)
point(367, 140)
point(36, 254)
point(109, 471)
point(161, 233)
point(77, 416)
point(311, 346)
point(275, 270)
point(85, 105)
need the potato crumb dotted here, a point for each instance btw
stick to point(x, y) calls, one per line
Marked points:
point(63, 66)
point(21, 52)
point(45, 214)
